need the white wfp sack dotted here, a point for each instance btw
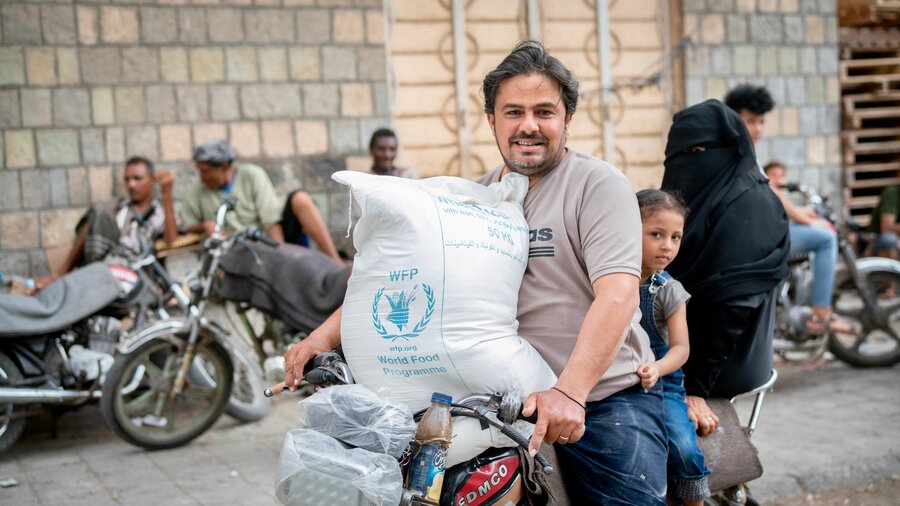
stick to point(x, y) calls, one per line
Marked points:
point(431, 303)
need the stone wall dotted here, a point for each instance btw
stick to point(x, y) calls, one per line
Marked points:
point(296, 85)
point(789, 46)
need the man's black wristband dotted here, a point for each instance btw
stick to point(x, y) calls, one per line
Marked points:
point(570, 398)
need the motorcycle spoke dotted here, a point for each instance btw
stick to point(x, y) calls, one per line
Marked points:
point(140, 402)
point(153, 372)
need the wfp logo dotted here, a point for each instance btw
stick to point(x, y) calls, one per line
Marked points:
point(398, 316)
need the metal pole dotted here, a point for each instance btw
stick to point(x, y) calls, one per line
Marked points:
point(609, 138)
point(463, 135)
point(533, 14)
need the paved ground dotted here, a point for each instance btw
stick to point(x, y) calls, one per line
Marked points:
point(826, 437)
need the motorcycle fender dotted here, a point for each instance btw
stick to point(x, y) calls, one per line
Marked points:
point(865, 265)
point(167, 330)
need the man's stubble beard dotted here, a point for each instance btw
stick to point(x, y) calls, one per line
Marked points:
point(534, 168)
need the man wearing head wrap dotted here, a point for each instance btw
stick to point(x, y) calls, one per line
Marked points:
point(733, 254)
point(257, 203)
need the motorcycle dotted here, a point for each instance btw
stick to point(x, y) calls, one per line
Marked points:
point(56, 347)
point(866, 294)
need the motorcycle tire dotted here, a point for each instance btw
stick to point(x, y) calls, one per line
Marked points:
point(137, 402)
point(877, 347)
point(247, 403)
point(11, 429)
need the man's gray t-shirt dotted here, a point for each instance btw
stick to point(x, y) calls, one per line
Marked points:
point(668, 299)
point(584, 224)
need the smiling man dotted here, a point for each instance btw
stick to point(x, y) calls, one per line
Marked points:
point(383, 146)
point(579, 296)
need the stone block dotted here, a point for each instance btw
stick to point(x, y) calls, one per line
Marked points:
point(143, 141)
point(775, 85)
point(40, 63)
point(356, 100)
point(9, 109)
point(93, 149)
point(809, 6)
point(59, 187)
point(193, 103)
point(787, 60)
point(162, 107)
point(382, 99)
point(691, 23)
point(207, 65)
point(100, 183)
point(348, 26)
point(140, 65)
point(815, 29)
point(768, 60)
point(103, 110)
point(767, 5)
point(745, 60)
point(119, 25)
point(808, 119)
point(273, 64)
point(87, 24)
point(746, 6)
point(816, 150)
point(19, 230)
point(173, 64)
point(79, 193)
point(58, 226)
point(833, 149)
point(277, 139)
point(344, 135)
point(58, 147)
point(10, 194)
point(159, 25)
point(737, 28)
point(828, 60)
point(815, 90)
point(224, 103)
point(694, 6)
point(697, 61)
point(99, 65)
point(312, 137)
point(58, 22)
point(720, 5)
point(720, 59)
point(67, 62)
point(240, 64)
point(374, 26)
point(263, 101)
point(789, 6)
point(695, 91)
point(19, 146)
point(321, 100)
point(175, 142)
point(793, 29)
point(831, 30)
point(18, 262)
point(206, 131)
point(712, 28)
point(269, 25)
point(225, 25)
point(115, 145)
point(305, 63)
point(21, 23)
point(716, 88)
point(372, 66)
point(313, 26)
point(12, 66)
point(832, 89)
point(344, 68)
point(766, 28)
point(191, 26)
point(791, 150)
point(35, 189)
point(830, 118)
point(808, 60)
point(71, 107)
point(245, 138)
point(795, 88)
point(367, 127)
point(317, 175)
point(130, 104)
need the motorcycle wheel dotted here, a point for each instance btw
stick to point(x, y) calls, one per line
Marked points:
point(247, 402)
point(10, 428)
point(879, 345)
point(138, 403)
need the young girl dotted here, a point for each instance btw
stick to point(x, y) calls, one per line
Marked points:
point(664, 317)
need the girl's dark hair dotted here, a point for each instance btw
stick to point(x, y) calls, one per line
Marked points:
point(652, 201)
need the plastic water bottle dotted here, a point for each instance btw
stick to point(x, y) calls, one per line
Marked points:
point(426, 469)
point(17, 284)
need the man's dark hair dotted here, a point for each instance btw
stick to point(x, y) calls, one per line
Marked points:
point(755, 99)
point(140, 159)
point(527, 58)
point(381, 132)
point(772, 165)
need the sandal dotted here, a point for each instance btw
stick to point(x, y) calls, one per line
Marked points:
point(842, 326)
point(816, 326)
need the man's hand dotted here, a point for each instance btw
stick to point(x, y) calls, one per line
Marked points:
point(166, 180)
point(560, 419)
point(209, 227)
point(298, 355)
point(703, 417)
point(649, 374)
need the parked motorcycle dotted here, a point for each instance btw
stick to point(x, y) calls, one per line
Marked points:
point(866, 294)
point(55, 347)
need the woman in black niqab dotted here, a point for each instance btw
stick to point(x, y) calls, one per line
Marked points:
point(734, 251)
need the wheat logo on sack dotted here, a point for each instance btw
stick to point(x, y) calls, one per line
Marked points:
point(398, 318)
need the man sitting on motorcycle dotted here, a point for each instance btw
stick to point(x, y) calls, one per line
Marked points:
point(101, 228)
point(577, 306)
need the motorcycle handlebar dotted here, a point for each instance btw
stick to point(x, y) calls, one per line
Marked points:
point(256, 234)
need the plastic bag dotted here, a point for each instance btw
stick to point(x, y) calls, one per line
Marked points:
point(355, 415)
point(316, 469)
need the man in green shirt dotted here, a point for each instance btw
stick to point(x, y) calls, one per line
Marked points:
point(257, 203)
point(884, 223)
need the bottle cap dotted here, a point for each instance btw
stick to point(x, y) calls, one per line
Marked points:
point(442, 398)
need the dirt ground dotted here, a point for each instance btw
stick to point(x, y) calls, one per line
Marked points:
point(882, 493)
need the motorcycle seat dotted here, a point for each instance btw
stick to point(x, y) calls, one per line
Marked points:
point(69, 299)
